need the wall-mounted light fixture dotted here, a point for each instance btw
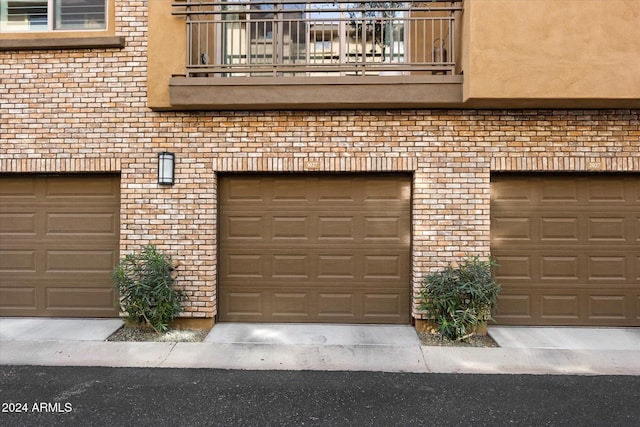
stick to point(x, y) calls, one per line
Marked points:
point(166, 162)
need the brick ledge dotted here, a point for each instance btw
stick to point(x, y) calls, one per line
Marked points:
point(63, 43)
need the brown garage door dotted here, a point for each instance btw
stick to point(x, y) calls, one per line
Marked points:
point(315, 249)
point(58, 245)
point(568, 248)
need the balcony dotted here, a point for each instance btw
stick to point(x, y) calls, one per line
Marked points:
point(287, 38)
point(314, 54)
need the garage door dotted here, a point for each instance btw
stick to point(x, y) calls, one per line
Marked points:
point(315, 249)
point(568, 248)
point(58, 245)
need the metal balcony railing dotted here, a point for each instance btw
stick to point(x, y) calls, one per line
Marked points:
point(318, 38)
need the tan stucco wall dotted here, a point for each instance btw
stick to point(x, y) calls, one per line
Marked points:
point(558, 49)
point(166, 51)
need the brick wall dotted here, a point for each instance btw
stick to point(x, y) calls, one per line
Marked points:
point(85, 111)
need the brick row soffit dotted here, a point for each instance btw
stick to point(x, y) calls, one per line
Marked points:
point(343, 164)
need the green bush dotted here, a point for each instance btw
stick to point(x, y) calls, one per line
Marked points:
point(144, 281)
point(460, 298)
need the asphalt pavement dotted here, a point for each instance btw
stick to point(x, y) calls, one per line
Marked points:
point(90, 396)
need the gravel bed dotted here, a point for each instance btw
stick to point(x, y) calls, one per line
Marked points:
point(148, 334)
point(439, 340)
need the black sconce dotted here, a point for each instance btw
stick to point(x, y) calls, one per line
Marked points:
point(166, 164)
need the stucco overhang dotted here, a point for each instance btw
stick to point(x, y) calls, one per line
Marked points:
point(262, 93)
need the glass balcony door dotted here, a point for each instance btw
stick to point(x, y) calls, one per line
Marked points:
point(261, 35)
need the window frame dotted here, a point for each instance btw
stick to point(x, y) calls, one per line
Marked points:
point(51, 7)
point(66, 38)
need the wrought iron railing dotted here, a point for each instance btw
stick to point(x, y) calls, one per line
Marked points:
point(318, 38)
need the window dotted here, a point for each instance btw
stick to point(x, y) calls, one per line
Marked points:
point(52, 15)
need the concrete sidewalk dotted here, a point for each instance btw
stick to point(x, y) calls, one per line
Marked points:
point(80, 342)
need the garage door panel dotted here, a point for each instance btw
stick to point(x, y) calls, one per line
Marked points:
point(383, 267)
point(513, 267)
point(332, 306)
point(543, 267)
point(514, 306)
point(512, 228)
point(289, 266)
point(336, 228)
point(326, 241)
point(290, 191)
point(571, 228)
point(349, 304)
point(84, 224)
point(394, 192)
point(388, 228)
point(253, 304)
point(607, 268)
point(79, 187)
point(243, 265)
point(606, 190)
point(558, 190)
point(242, 190)
point(17, 261)
point(557, 307)
point(60, 239)
point(340, 190)
point(337, 266)
point(559, 268)
point(542, 308)
point(17, 299)
point(383, 305)
point(290, 227)
point(329, 284)
point(578, 263)
point(603, 229)
point(240, 305)
point(244, 227)
point(511, 193)
point(320, 267)
point(18, 187)
point(559, 229)
point(78, 298)
point(21, 223)
point(286, 304)
point(80, 261)
point(546, 268)
point(610, 307)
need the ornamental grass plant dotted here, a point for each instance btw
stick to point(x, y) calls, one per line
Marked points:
point(145, 283)
point(460, 298)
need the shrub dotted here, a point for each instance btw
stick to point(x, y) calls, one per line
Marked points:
point(144, 281)
point(460, 298)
